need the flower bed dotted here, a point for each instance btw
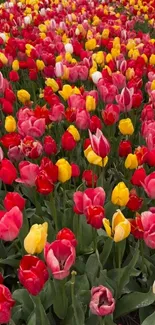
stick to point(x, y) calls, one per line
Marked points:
point(77, 158)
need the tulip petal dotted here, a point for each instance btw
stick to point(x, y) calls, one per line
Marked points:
point(117, 218)
point(122, 231)
point(107, 227)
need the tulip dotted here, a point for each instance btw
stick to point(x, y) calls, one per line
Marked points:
point(91, 196)
point(90, 178)
point(110, 114)
point(99, 144)
point(49, 169)
point(96, 76)
point(50, 146)
point(141, 154)
point(94, 216)
point(75, 133)
point(44, 185)
point(93, 158)
point(69, 48)
point(35, 241)
point(31, 126)
point(10, 124)
point(10, 223)
point(67, 234)
point(67, 91)
point(52, 83)
point(138, 177)
point(90, 103)
point(30, 147)
point(64, 170)
point(120, 227)
point(131, 161)
point(67, 141)
point(57, 112)
point(90, 44)
point(102, 302)
point(125, 147)
point(125, 99)
point(118, 80)
point(13, 199)
point(137, 229)
point(148, 223)
point(6, 304)
point(32, 274)
point(120, 194)
point(59, 70)
point(23, 96)
point(60, 256)
point(82, 119)
point(75, 170)
point(126, 127)
point(108, 92)
point(149, 185)
point(135, 202)
point(28, 173)
point(8, 172)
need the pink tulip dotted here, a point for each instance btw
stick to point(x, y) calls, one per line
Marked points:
point(82, 72)
point(76, 101)
point(15, 154)
point(57, 112)
point(102, 302)
point(118, 80)
point(32, 126)
point(107, 91)
point(73, 74)
point(148, 222)
point(60, 256)
point(10, 223)
point(149, 185)
point(99, 143)
point(90, 197)
point(125, 99)
point(123, 66)
point(82, 119)
point(28, 173)
point(59, 69)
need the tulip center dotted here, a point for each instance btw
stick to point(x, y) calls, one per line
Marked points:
point(103, 301)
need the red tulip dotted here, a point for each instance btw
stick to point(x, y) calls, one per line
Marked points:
point(6, 304)
point(150, 158)
point(135, 202)
point(75, 170)
point(138, 177)
point(10, 223)
point(13, 199)
point(110, 114)
point(94, 215)
point(90, 178)
point(60, 256)
point(10, 140)
point(66, 233)
point(50, 146)
point(125, 147)
point(67, 141)
point(102, 302)
point(50, 169)
point(91, 196)
point(8, 172)
point(28, 173)
point(99, 144)
point(32, 274)
point(137, 229)
point(13, 76)
point(43, 184)
point(95, 123)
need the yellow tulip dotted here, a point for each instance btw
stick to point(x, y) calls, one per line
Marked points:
point(131, 161)
point(15, 65)
point(67, 91)
point(50, 82)
point(152, 59)
point(120, 194)
point(153, 85)
point(99, 58)
point(130, 73)
point(23, 96)
point(126, 127)
point(120, 227)
point(93, 158)
point(75, 133)
point(90, 44)
point(105, 33)
point(64, 170)
point(40, 65)
point(35, 241)
point(3, 58)
point(90, 103)
point(10, 124)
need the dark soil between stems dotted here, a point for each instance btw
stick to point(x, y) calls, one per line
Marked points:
point(131, 319)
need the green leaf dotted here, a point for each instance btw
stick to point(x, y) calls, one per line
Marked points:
point(47, 294)
point(79, 315)
point(133, 301)
point(81, 283)
point(60, 299)
point(32, 319)
point(17, 313)
point(22, 296)
point(149, 320)
point(92, 268)
point(106, 251)
point(11, 261)
point(41, 317)
point(145, 312)
point(92, 320)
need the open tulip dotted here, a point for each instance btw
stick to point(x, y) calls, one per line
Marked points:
point(99, 143)
point(28, 173)
point(93, 158)
point(13, 199)
point(102, 302)
point(120, 227)
point(60, 256)
point(90, 197)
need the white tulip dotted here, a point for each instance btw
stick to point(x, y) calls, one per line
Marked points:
point(96, 76)
point(69, 48)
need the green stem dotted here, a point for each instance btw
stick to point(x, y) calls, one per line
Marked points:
point(54, 211)
point(73, 297)
point(142, 255)
point(94, 238)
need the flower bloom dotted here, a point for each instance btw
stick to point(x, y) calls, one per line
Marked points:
point(149, 185)
point(6, 304)
point(120, 227)
point(90, 178)
point(10, 124)
point(102, 302)
point(137, 229)
point(120, 194)
point(28, 173)
point(138, 177)
point(35, 241)
point(148, 223)
point(66, 233)
point(13, 199)
point(60, 256)
point(32, 274)
point(64, 170)
point(94, 215)
point(23, 96)
point(99, 143)
point(126, 127)
point(91, 196)
point(8, 172)
point(93, 158)
point(135, 202)
point(131, 161)
point(125, 147)
point(10, 223)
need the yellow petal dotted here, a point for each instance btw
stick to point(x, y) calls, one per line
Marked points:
point(118, 217)
point(107, 227)
point(122, 231)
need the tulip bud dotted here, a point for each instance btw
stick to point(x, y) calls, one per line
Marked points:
point(35, 241)
point(131, 161)
point(126, 127)
point(125, 147)
point(10, 124)
point(120, 194)
point(96, 76)
point(69, 48)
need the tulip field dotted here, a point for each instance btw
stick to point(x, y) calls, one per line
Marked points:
point(77, 162)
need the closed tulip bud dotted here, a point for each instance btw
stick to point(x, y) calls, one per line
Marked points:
point(67, 234)
point(50, 146)
point(90, 103)
point(138, 177)
point(135, 202)
point(96, 76)
point(59, 70)
point(125, 147)
point(90, 178)
point(69, 48)
point(10, 124)
point(64, 170)
point(120, 227)
point(75, 170)
point(105, 33)
point(99, 57)
point(120, 194)
point(40, 65)
point(35, 241)
point(3, 58)
point(90, 45)
point(131, 161)
point(23, 96)
point(52, 83)
point(126, 127)
point(74, 131)
point(15, 65)
point(67, 141)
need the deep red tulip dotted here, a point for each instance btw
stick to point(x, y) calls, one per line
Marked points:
point(110, 114)
point(125, 147)
point(90, 178)
point(13, 199)
point(138, 177)
point(67, 141)
point(75, 170)
point(135, 202)
point(43, 184)
point(50, 146)
point(94, 215)
point(6, 304)
point(8, 172)
point(10, 140)
point(66, 233)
